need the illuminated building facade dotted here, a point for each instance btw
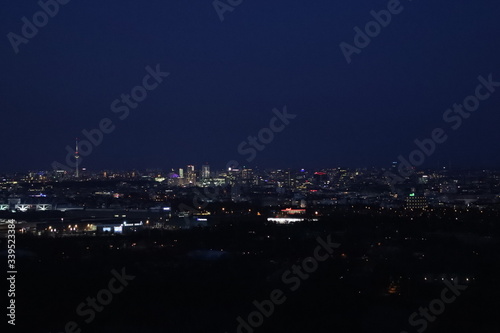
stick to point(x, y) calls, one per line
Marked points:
point(205, 171)
point(191, 175)
point(416, 202)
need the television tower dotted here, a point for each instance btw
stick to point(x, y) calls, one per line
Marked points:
point(77, 156)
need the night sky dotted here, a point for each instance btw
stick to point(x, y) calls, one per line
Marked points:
point(227, 77)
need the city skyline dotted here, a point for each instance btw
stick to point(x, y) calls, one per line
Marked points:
point(250, 166)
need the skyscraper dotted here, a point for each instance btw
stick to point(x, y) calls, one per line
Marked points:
point(205, 171)
point(191, 175)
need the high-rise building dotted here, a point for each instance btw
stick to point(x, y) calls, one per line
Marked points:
point(191, 175)
point(247, 176)
point(181, 173)
point(205, 171)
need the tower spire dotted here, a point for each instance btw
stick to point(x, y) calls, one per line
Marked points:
point(77, 156)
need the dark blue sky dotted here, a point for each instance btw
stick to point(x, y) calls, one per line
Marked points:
point(226, 77)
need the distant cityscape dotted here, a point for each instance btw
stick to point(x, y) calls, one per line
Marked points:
point(115, 201)
point(252, 167)
point(193, 231)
